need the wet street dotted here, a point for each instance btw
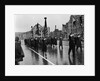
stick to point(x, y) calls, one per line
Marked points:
point(53, 56)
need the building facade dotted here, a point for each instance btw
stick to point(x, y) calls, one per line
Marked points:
point(74, 25)
point(56, 33)
point(37, 31)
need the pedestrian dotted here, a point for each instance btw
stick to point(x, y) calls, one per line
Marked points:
point(32, 43)
point(44, 47)
point(78, 43)
point(36, 44)
point(18, 51)
point(60, 42)
point(41, 43)
point(71, 48)
point(55, 41)
point(51, 41)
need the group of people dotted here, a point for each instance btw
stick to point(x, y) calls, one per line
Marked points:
point(42, 43)
point(37, 43)
point(74, 44)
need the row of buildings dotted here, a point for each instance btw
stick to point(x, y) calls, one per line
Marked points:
point(32, 33)
point(36, 31)
point(74, 25)
point(56, 33)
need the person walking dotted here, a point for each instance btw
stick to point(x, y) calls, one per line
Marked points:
point(78, 43)
point(60, 42)
point(71, 48)
point(36, 44)
point(18, 51)
point(44, 48)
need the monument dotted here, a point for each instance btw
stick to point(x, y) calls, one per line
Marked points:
point(45, 28)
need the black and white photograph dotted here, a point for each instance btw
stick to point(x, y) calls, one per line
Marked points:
point(49, 39)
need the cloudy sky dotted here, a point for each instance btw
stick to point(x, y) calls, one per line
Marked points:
point(24, 22)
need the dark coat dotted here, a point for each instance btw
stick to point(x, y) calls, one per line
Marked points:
point(78, 42)
point(18, 50)
point(36, 44)
point(60, 42)
point(71, 41)
point(44, 46)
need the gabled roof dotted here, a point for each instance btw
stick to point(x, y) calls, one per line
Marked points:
point(38, 25)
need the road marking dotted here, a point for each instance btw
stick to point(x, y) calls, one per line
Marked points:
point(42, 56)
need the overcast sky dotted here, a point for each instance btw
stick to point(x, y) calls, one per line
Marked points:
point(24, 22)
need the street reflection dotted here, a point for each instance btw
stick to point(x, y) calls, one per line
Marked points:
point(45, 62)
point(61, 54)
point(55, 55)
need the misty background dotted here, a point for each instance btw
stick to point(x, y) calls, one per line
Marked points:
point(23, 22)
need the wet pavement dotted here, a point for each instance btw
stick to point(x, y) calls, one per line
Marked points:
point(53, 56)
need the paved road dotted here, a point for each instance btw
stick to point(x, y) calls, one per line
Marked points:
point(54, 56)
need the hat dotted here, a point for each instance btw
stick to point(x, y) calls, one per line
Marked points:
point(72, 35)
point(79, 36)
